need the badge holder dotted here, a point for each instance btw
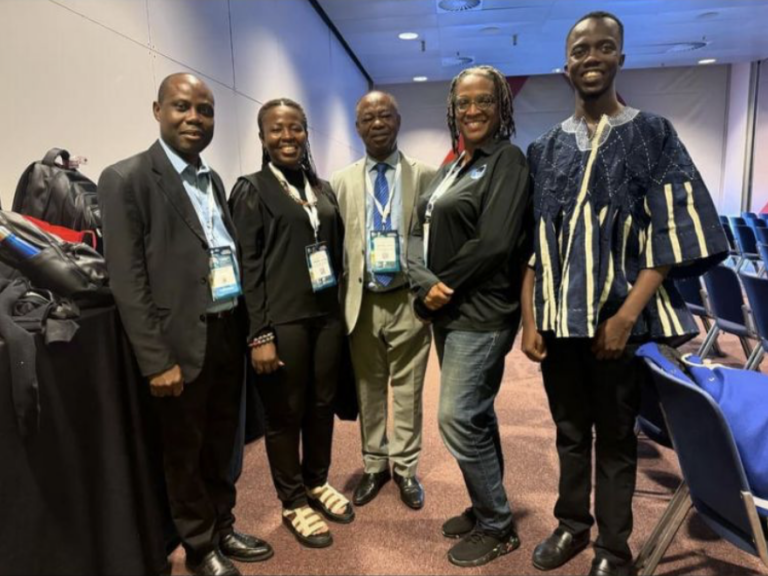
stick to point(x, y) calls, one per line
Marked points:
point(223, 277)
point(384, 248)
point(320, 268)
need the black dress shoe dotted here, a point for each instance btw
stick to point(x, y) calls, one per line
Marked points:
point(212, 564)
point(369, 486)
point(605, 567)
point(411, 491)
point(245, 548)
point(560, 547)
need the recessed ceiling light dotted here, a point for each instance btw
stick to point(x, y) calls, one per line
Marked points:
point(490, 30)
point(458, 5)
point(457, 60)
point(420, 78)
point(557, 70)
point(708, 61)
point(408, 36)
point(705, 15)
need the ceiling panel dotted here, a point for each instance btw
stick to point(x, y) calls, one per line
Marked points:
point(528, 36)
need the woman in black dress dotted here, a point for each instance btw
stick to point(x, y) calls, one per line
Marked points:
point(291, 235)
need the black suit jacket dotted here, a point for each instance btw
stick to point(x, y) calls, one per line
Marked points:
point(157, 257)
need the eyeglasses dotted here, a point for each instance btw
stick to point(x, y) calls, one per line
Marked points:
point(482, 102)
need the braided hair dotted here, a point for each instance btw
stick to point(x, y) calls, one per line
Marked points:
point(502, 93)
point(307, 163)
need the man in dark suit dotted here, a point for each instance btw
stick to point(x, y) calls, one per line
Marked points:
point(172, 257)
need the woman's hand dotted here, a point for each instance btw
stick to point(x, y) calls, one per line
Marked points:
point(439, 295)
point(533, 344)
point(264, 358)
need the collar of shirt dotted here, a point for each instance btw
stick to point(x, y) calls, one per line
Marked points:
point(181, 165)
point(487, 149)
point(392, 161)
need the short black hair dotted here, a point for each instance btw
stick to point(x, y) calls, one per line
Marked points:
point(597, 15)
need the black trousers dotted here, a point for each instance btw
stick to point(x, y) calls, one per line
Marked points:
point(198, 430)
point(586, 393)
point(298, 402)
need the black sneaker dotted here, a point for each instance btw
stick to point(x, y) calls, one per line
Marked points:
point(461, 525)
point(479, 548)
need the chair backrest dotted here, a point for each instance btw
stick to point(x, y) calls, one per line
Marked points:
point(748, 215)
point(737, 221)
point(759, 223)
point(761, 234)
point(708, 457)
point(724, 292)
point(690, 290)
point(757, 295)
point(745, 239)
point(762, 249)
point(763, 216)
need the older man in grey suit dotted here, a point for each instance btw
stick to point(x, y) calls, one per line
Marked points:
point(377, 195)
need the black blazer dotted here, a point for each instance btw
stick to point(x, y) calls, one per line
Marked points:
point(157, 257)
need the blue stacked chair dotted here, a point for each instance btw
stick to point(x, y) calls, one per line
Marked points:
point(726, 305)
point(761, 235)
point(747, 244)
point(691, 290)
point(763, 216)
point(714, 479)
point(736, 221)
point(757, 296)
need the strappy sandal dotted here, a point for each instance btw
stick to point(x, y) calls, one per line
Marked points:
point(325, 498)
point(303, 524)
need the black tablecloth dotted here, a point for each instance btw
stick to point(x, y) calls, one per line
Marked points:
point(85, 494)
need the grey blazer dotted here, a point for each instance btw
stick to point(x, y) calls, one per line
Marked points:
point(349, 186)
point(157, 257)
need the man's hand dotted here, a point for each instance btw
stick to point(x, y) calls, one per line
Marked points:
point(264, 358)
point(439, 295)
point(168, 383)
point(611, 337)
point(533, 344)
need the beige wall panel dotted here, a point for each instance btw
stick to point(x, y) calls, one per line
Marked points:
point(126, 17)
point(195, 33)
point(65, 93)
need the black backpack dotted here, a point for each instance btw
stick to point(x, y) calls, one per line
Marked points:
point(58, 194)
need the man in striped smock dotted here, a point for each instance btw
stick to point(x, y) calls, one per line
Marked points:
point(620, 211)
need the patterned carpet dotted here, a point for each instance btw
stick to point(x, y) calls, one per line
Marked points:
point(388, 538)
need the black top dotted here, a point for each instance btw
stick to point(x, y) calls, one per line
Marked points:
point(274, 232)
point(477, 240)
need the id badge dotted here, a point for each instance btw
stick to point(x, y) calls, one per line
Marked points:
point(223, 279)
point(384, 248)
point(320, 268)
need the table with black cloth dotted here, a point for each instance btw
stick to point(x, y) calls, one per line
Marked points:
point(85, 494)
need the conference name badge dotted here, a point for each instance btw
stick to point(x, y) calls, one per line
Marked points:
point(320, 269)
point(478, 172)
point(384, 248)
point(223, 279)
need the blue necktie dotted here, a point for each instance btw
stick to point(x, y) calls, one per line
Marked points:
point(381, 194)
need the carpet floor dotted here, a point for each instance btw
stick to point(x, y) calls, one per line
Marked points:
point(389, 538)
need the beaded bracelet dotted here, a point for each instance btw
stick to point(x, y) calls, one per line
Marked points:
point(263, 339)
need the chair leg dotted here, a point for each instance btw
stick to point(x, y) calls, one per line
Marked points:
point(757, 529)
point(745, 347)
point(709, 341)
point(664, 532)
point(755, 358)
point(708, 327)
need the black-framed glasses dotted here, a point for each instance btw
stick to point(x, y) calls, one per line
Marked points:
point(482, 102)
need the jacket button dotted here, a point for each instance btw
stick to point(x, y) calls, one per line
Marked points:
point(203, 280)
point(202, 318)
point(360, 280)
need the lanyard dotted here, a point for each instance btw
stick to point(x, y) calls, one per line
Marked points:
point(310, 205)
point(385, 210)
point(439, 192)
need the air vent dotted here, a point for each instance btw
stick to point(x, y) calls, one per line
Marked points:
point(452, 6)
point(451, 61)
point(685, 47)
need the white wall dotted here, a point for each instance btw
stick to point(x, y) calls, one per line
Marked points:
point(694, 99)
point(82, 75)
point(760, 160)
point(735, 139)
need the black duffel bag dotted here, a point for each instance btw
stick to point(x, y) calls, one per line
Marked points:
point(70, 270)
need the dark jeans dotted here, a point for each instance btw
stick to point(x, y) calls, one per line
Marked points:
point(298, 402)
point(586, 393)
point(198, 430)
point(471, 369)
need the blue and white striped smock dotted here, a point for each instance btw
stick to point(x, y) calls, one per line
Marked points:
point(607, 207)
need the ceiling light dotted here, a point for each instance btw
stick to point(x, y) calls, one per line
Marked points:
point(457, 61)
point(408, 36)
point(420, 78)
point(557, 70)
point(458, 5)
point(706, 15)
point(708, 61)
point(490, 30)
point(685, 46)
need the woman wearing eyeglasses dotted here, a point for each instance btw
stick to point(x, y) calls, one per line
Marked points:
point(466, 253)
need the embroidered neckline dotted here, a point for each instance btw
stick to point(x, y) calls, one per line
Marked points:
point(578, 127)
